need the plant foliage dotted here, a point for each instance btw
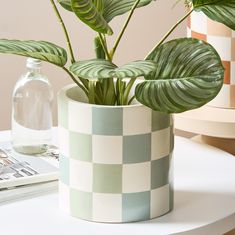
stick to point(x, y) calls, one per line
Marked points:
point(179, 75)
point(189, 73)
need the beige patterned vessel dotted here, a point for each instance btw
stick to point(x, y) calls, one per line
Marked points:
point(223, 39)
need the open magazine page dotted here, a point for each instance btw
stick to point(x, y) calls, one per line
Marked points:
point(18, 169)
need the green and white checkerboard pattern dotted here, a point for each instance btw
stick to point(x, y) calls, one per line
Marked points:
point(115, 162)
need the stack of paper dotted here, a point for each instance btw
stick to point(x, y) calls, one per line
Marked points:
point(24, 175)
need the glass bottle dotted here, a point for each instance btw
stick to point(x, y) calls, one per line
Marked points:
point(32, 111)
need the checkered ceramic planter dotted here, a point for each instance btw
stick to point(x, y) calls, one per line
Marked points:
point(223, 39)
point(115, 162)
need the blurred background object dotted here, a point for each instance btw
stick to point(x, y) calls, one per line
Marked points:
point(215, 123)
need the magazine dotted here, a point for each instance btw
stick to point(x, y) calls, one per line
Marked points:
point(18, 169)
point(27, 191)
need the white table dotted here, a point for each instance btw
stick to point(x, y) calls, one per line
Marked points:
point(204, 202)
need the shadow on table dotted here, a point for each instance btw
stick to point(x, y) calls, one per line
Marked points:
point(198, 207)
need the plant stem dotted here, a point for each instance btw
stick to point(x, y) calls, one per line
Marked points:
point(91, 96)
point(103, 43)
point(75, 80)
point(128, 89)
point(121, 87)
point(168, 34)
point(65, 30)
point(123, 29)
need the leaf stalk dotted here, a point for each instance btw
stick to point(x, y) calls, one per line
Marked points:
point(169, 33)
point(65, 31)
point(123, 29)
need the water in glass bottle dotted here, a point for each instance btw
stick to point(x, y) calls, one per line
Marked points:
point(32, 111)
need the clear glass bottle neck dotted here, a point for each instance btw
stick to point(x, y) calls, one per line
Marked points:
point(34, 70)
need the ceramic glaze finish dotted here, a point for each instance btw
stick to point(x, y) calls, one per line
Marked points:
point(223, 39)
point(116, 162)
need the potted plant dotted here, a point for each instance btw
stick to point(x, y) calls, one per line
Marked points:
point(116, 130)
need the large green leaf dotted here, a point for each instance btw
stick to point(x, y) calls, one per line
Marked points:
point(100, 68)
point(189, 74)
point(222, 11)
point(42, 50)
point(87, 12)
point(111, 8)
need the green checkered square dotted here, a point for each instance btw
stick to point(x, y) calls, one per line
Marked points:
point(107, 178)
point(137, 148)
point(80, 146)
point(160, 172)
point(81, 204)
point(63, 111)
point(64, 169)
point(136, 206)
point(160, 120)
point(107, 121)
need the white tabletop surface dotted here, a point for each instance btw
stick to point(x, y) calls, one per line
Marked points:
point(204, 202)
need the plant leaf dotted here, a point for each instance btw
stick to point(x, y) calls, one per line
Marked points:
point(93, 69)
point(113, 8)
point(99, 4)
point(135, 69)
point(100, 68)
point(222, 11)
point(41, 50)
point(87, 12)
point(66, 4)
point(189, 74)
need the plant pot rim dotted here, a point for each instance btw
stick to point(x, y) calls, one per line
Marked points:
point(63, 92)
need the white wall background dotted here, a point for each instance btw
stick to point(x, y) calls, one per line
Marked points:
point(30, 19)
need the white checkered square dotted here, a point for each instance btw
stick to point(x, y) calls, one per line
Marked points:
point(107, 207)
point(171, 120)
point(80, 118)
point(81, 176)
point(199, 22)
point(223, 98)
point(160, 146)
point(107, 149)
point(189, 32)
point(223, 45)
point(64, 197)
point(136, 177)
point(160, 198)
point(233, 34)
point(133, 120)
